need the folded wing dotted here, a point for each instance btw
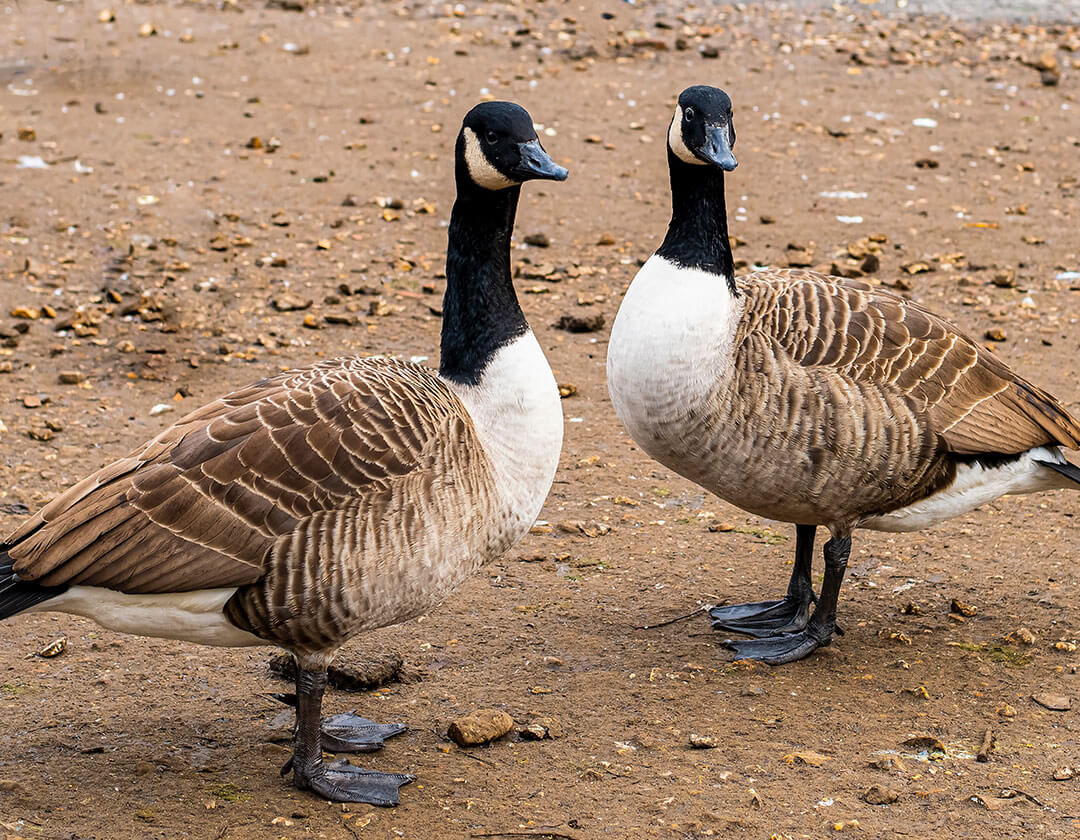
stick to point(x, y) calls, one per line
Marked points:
point(200, 505)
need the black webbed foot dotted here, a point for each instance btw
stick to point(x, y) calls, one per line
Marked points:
point(342, 782)
point(349, 732)
point(781, 649)
point(763, 618)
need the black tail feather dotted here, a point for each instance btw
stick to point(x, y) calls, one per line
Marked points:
point(18, 595)
point(1068, 470)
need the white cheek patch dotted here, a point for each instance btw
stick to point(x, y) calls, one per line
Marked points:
point(480, 168)
point(676, 143)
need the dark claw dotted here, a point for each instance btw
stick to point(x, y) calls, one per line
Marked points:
point(779, 650)
point(342, 782)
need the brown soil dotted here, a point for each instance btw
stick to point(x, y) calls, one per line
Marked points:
point(161, 268)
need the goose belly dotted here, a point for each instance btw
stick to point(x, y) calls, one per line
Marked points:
point(195, 616)
point(973, 486)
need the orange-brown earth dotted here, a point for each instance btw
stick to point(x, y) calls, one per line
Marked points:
point(209, 171)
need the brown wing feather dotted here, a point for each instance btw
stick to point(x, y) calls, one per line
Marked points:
point(200, 505)
point(975, 403)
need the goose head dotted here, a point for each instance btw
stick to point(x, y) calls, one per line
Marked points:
point(702, 132)
point(498, 148)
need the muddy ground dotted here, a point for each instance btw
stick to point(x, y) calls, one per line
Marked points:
point(181, 181)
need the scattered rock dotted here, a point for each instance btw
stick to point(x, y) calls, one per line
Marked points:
point(539, 730)
point(480, 727)
point(71, 377)
point(720, 527)
point(704, 742)
point(567, 389)
point(1005, 710)
point(870, 264)
point(799, 256)
point(26, 134)
point(606, 239)
point(581, 323)
point(927, 163)
point(1063, 774)
point(532, 732)
point(1004, 279)
point(889, 763)
point(1021, 636)
point(291, 303)
point(963, 609)
point(538, 240)
point(1053, 702)
point(996, 334)
point(814, 759)
point(879, 795)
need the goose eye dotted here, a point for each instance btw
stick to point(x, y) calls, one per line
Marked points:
point(688, 114)
point(492, 137)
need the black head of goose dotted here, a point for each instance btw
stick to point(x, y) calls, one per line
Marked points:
point(330, 500)
point(811, 399)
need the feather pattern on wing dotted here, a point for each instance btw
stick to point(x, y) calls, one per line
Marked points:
point(206, 503)
point(975, 403)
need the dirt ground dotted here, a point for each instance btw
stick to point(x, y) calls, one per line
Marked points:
point(198, 196)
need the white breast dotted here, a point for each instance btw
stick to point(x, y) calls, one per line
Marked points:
point(671, 342)
point(518, 417)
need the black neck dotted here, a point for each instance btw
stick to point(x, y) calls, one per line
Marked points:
point(697, 235)
point(480, 309)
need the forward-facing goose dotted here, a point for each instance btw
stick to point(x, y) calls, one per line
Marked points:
point(811, 399)
point(330, 500)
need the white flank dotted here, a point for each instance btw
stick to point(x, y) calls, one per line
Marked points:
point(518, 417)
point(187, 616)
point(481, 170)
point(671, 342)
point(676, 142)
point(973, 486)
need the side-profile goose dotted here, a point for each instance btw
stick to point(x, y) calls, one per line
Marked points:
point(330, 500)
point(811, 399)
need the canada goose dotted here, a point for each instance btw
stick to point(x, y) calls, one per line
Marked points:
point(330, 500)
point(811, 399)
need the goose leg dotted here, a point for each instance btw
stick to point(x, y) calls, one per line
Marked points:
point(788, 615)
point(778, 650)
point(339, 781)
